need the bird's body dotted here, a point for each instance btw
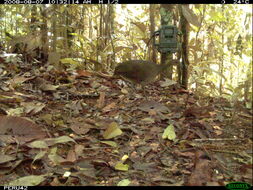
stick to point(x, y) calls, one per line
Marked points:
point(139, 71)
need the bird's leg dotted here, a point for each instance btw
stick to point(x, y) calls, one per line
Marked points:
point(132, 90)
point(144, 92)
point(132, 86)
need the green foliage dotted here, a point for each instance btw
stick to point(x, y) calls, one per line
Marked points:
point(222, 51)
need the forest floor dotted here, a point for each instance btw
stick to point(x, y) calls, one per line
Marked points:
point(85, 128)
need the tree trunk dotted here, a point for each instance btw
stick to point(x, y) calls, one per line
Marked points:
point(166, 19)
point(152, 30)
point(185, 49)
point(44, 31)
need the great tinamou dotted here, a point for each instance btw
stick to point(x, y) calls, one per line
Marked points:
point(139, 71)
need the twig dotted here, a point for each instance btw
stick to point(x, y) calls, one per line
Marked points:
point(225, 139)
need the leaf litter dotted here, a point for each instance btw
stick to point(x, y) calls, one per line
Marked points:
point(73, 129)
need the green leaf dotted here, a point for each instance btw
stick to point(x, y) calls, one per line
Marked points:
point(40, 155)
point(28, 180)
point(124, 182)
point(110, 143)
point(169, 133)
point(112, 131)
point(122, 167)
point(62, 139)
point(6, 158)
point(54, 157)
point(38, 144)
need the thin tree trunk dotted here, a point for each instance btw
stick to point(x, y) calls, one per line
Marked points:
point(185, 50)
point(152, 30)
point(222, 57)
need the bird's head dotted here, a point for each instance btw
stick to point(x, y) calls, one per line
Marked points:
point(122, 69)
